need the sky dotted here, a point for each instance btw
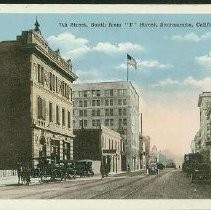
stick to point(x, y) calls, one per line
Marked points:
point(174, 63)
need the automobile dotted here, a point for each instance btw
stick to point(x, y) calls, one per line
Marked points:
point(152, 169)
point(84, 168)
point(160, 166)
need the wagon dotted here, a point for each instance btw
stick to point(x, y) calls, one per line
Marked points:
point(200, 172)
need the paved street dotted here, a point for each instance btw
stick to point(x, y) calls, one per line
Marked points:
point(169, 184)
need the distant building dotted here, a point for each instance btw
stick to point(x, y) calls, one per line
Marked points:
point(114, 105)
point(203, 137)
point(144, 151)
point(154, 154)
point(36, 102)
point(99, 144)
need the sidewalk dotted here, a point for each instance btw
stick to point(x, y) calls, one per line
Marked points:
point(13, 180)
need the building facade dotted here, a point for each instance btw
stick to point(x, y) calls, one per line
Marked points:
point(114, 105)
point(36, 101)
point(99, 144)
point(203, 140)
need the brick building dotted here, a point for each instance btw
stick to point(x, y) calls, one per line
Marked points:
point(35, 101)
point(98, 144)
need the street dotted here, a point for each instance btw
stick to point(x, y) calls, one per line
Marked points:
point(169, 184)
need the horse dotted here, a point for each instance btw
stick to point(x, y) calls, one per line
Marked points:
point(20, 173)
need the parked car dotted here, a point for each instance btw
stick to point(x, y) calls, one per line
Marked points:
point(160, 166)
point(84, 168)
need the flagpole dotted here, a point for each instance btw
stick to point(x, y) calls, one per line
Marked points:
point(127, 69)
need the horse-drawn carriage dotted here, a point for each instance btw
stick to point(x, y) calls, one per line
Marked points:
point(47, 170)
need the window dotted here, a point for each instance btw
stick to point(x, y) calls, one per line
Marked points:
point(106, 102)
point(98, 112)
point(93, 112)
point(93, 102)
point(120, 92)
point(98, 102)
point(106, 112)
point(63, 117)
point(81, 123)
point(94, 94)
point(98, 93)
point(56, 84)
point(111, 102)
point(106, 122)
point(51, 81)
point(119, 102)
point(80, 103)
point(124, 121)
point(41, 108)
point(111, 122)
point(57, 116)
point(85, 113)
point(74, 103)
point(120, 112)
point(85, 93)
point(124, 102)
point(68, 119)
point(124, 112)
point(85, 103)
point(80, 94)
point(40, 74)
point(98, 122)
point(85, 123)
point(50, 112)
point(106, 92)
point(111, 92)
point(93, 123)
point(120, 123)
point(80, 113)
point(111, 112)
point(124, 92)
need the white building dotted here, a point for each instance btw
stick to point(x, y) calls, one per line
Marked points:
point(204, 103)
point(114, 105)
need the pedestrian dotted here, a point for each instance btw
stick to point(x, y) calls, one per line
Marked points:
point(128, 168)
point(102, 170)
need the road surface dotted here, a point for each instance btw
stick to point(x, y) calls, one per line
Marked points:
point(169, 184)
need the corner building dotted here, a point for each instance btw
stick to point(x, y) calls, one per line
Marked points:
point(36, 101)
point(114, 105)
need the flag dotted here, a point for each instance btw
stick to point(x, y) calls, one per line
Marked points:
point(131, 61)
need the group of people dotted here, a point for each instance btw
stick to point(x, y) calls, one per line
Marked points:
point(24, 174)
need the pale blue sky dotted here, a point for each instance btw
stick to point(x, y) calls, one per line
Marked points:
point(174, 64)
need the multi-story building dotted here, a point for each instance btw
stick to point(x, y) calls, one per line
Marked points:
point(100, 145)
point(36, 101)
point(203, 137)
point(114, 105)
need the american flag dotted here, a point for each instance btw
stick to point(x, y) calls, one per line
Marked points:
point(131, 61)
